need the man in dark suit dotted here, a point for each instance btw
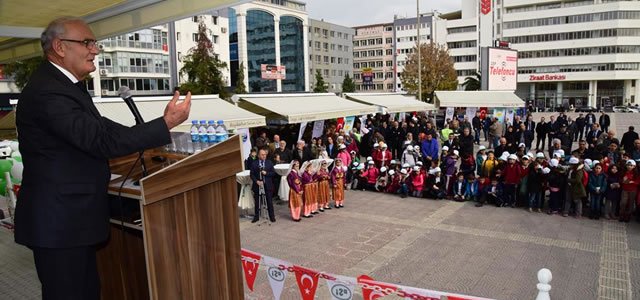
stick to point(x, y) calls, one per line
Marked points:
point(604, 121)
point(593, 135)
point(262, 174)
point(541, 133)
point(285, 154)
point(529, 129)
point(62, 212)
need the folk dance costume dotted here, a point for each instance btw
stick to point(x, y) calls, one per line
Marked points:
point(308, 192)
point(324, 193)
point(338, 183)
point(295, 192)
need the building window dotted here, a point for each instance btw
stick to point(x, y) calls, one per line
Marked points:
point(389, 63)
point(194, 37)
point(215, 39)
point(195, 19)
point(214, 20)
point(261, 50)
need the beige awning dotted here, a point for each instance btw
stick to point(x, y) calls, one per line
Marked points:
point(22, 22)
point(203, 107)
point(297, 108)
point(478, 99)
point(391, 102)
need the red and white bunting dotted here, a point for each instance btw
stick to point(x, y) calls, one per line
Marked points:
point(372, 289)
point(307, 282)
point(250, 264)
point(277, 274)
point(342, 287)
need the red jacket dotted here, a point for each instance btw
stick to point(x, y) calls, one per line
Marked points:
point(512, 173)
point(632, 184)
point(371, 175)
point(377, 158)
point(417, 181)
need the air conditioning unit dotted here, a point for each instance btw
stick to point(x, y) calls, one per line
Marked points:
point(223, 29)
point(104, 92)
point(100, 46)
point(103, 72)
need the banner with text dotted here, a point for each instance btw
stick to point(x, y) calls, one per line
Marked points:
point(318, 128)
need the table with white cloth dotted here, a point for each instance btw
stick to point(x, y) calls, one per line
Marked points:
point(246, 195)
point(283, 189)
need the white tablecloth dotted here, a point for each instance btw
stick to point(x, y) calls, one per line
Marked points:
point(283, 189)
point(246, 195)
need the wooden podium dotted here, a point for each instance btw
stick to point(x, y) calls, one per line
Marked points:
point(187, 243)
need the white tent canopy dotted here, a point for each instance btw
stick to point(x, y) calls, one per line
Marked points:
point(391, 102)
point(297, 108)
point(203, 107)
point(478, 99)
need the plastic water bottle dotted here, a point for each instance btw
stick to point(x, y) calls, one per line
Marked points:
point(221, 132)
point(211, 132)
point(202, 133)
point(194, 132)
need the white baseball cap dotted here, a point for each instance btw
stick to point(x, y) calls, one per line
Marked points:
point(482, 147)
point(525, 157)
point(546, 171)
point(522, 145)
point(419, 163)
point(393, 162)
point(540, 155)
point(574, 161)
point(410, 148)
point(631, 162)
point(554, 162)
point(369, 158)
point(392, 172)
point(456, 152)
point(403, 171)
point(376, 145)
point(406, 165)
point(513, 156)
point(416, 168)
point(383, 169)
point(342, 146)
point(436, 170)
point(370, 162)
point(445, 148)
point(588, 162)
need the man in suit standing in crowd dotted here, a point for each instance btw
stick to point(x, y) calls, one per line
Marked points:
point(63, 211)
point(301, 153)
point(530, 128)
point(262, 173)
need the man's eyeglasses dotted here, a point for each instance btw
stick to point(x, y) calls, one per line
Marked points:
point(86, 42)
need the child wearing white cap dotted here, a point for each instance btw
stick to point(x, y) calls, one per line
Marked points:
point(575, 189)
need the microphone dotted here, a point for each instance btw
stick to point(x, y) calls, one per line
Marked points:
point(125, 93)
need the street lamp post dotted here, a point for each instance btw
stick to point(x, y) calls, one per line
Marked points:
point(419, 54)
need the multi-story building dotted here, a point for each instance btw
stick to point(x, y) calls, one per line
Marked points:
point(187, 34)
point(139, 60)
point(274, 33)
point(373, 58)
point(405, 32)
point(330, 52)
point(583, 52)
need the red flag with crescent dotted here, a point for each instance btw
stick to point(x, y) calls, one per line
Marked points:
point(307, 282)
point(340, 124)
point(250, 264)
point(376, 289)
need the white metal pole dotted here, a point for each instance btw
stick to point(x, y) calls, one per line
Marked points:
point(419, 54)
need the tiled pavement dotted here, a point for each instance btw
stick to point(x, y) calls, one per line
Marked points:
point(456, 247)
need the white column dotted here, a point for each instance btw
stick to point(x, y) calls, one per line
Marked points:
point(305, 37)
point(627, 91)
point(276, 30)
point(97, 87)
point(242, 46)
point(559, 94)
point(637, 94)
point(593, 92)
point(532, 92)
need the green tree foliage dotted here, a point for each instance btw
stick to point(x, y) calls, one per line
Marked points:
point(320, 85)
point(203, 68)
point(348, 86)
point(21, 70)
point(438, 73)
point(240, 87)
point(472, 83)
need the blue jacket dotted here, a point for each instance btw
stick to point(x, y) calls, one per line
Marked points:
point(597, 181)
point(430, 148)
point(472, 188)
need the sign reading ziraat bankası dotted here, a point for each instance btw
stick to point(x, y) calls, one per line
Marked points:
point(501, 67)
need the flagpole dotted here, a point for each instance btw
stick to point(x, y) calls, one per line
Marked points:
point(419, 55)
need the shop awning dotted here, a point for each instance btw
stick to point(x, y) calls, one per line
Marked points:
point(203, 107)
point(478, 99)
point(297, 108)
point(391, 102)
point(22, 22)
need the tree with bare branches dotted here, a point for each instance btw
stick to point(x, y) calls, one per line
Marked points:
point(438, 73)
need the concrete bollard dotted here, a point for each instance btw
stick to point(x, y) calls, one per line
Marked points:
point(544, 277)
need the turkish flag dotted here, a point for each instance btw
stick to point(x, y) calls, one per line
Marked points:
point(307, 282)
point(249, 266)
point(483, 113)
point(371, 294)
point(340, 124)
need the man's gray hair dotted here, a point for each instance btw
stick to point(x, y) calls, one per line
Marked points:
point(55, 29)
point(556, 141)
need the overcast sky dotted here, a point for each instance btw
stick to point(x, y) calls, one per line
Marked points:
point(362, 12)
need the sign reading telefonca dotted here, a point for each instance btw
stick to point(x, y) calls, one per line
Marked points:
point(501, 65)
point(547, 77)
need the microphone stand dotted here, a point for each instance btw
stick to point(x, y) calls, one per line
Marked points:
point(139, 120)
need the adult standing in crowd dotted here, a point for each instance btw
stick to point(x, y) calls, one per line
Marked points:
point(589, 120)
point(604, 121)
point(541, 132)
point(285, 154)
point(580, 123)
point(63, 211)
point(262, 174)
point(477, 127)
point(628, 138)
point(301, 153)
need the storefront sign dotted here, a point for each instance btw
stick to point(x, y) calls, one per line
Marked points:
point(501, 67)
point(547, 77)
point(273, 72)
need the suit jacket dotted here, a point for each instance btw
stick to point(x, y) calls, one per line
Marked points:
point(66, 146)
point(306, 155)
point(267, 179)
